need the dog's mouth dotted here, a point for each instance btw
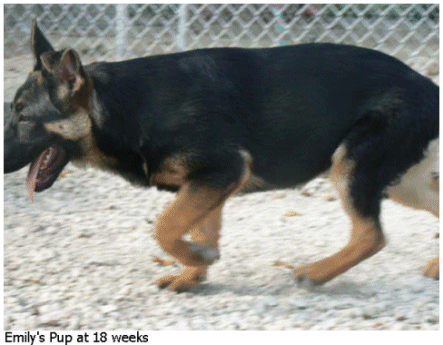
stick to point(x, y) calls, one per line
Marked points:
point(45, 169)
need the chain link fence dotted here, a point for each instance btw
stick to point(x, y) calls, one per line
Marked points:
point(119, 31)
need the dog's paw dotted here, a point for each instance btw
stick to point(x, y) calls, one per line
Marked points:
point(188, 277)
point(175, 283)
point(208, 254)
point(432, 268)
point(307, 277)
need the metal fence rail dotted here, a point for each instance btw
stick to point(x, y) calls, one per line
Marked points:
point(115, 32)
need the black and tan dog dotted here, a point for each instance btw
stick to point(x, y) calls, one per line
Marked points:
point(208, 123)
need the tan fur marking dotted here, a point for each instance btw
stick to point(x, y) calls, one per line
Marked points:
point(21, 99)
point(83, 94)
point(432, 268)
point(190, 208)
point(254, 183)
point(341, 170)
point(173, 171)
point(366, 236)
point(40, 79)
point(188, 277)
point(207, 233)
point(435, 183)
point(78, 127)
point(63, 91)
point(195, 207)
point(33, 43)
point(145, 166)
point(75, 127)
point(93, 156)
point(366, 240)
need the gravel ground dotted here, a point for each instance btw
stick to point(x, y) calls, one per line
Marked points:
point(82, 257)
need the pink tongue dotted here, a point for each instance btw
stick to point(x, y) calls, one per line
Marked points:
point(31, 180)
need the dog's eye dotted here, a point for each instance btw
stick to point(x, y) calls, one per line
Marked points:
point(24, 118)
point(19, 107)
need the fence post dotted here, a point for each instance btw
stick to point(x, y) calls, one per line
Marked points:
point(279, 24)
point(121, 31)
point(181, 38)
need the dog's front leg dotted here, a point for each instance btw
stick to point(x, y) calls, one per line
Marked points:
point(206, 234)
point(196, 208)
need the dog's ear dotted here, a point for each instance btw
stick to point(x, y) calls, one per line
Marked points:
point(39, 45)
point(65, 68)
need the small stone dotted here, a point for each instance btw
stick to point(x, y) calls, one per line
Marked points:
point(398, 327)
point(369, 312)
point(330, 197)
point(279, 196)
point(300, 304)
point(112, 324)
point(306, 193)
point(292, 214)
point(108, 308)
point(49, 308)
point(7, 321)
point(33, 322)
point(270, 301)
point(75, 323)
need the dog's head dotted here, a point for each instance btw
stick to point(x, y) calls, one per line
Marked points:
point(49, 116)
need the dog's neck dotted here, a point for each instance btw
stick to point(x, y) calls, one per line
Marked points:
point(107, 151)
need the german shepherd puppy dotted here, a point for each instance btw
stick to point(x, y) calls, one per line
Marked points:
point(208, 123)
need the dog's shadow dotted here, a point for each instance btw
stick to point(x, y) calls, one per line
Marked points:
point(342, 288)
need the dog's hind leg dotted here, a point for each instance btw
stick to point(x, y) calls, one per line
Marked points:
point(366, 234)
point(419, 188)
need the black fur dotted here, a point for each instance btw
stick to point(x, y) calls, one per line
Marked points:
point(289, 107)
